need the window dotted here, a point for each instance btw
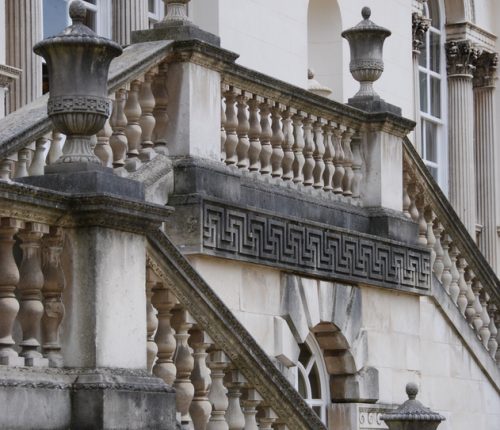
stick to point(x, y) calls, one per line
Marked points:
point(312, 378)
point(432, 77)
point(156, 11)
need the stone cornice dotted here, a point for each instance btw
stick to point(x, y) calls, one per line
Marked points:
point(461, 58)
point(485, 74)
point(8, 74)
point(229, 334)
point(419, 25)
point(473, 33)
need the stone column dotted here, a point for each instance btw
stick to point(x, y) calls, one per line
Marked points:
point(420, 25)
point(485, 135)
point(461, 61)
point(23, 30)
point(128, 16)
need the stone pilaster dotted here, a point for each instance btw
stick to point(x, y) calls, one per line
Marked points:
point(485, 135)
point(461, 59)
point(23, 30)
point(128, 16)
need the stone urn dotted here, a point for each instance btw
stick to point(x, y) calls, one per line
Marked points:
point(412, 415)
point(366, 41)
point(78, 63)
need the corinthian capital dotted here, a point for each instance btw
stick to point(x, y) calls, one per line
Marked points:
point(419, 25)
point(461, 57)
point(486, 70)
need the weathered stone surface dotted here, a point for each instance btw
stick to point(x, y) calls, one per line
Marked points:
point(175, 31)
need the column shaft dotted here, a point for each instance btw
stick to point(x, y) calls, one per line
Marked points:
point(23, 30)
point(128, 16)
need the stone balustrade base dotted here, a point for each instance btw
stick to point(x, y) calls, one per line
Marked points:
point(84, 398)
point(374, 104)
point(177, 30)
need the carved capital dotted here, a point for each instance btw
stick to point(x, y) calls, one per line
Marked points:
point(419, 25)
point(485, 74)
point(461, 57)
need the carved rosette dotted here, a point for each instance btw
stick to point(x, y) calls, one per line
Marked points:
point(485, 74)
point(420, 25)
point(461, 58)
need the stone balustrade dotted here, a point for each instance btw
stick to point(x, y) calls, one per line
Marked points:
point(456, 261)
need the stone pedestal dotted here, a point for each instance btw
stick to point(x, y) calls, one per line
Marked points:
point(461, 59)
point(128, 16)
point(23, 29)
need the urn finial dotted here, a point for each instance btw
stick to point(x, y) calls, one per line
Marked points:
point(77, 11)
point(366, 12)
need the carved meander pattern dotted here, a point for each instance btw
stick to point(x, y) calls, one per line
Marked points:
point(244, 234)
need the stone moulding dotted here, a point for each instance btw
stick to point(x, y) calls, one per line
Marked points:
point(312, 248)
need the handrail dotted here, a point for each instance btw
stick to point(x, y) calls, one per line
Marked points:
point(221, 325)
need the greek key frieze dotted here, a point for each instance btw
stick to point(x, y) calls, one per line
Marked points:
point(79, 104)
point(324, 250)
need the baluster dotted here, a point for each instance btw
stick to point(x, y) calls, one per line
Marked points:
point(254, 133)
point(298, 147)
point(430, 238)
point(338, 159)
point(21, 170)
point(308, 151)
point(164, 301)
point(484, 331)
point(446, 277)
point(357, 164)
point(422, 225)
point(118, 122)
point(412, 193)
point(231, 127)
point(497, 322)
point(53, 287)
point(9, 279)
point(147, 121)
point(30, 293)
point(160, 93)
point(265, 138)
point(223, 134)
point(455, 274)
point(288, 143)
point(37, 166)
point(103, 149)
point(5, 170)
point(234, 415)
point(277, 141)
point(492, 343)
point(329, 155)
point(438, 249)
point(462, 295)
point(348, 173)
point(151, 320)
point(406, 196)
point(218, 363)
point(470, 311)
point(250, 401)
point(267, 418)
point(56, 147)
point(243, 127)
point(133, 130)
point(476, 311)
point(184, 363)
point(200, 377)
point(319, 153)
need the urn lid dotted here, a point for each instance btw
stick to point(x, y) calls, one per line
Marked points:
point(78, 33)
point(366, 26)
point(412, 409)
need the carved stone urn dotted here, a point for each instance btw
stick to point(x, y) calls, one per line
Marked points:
point(176, 10)
point(78, 63)
point(412, 415)
point(366, 41)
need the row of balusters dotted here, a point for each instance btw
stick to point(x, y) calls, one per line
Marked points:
point(211, 393)
point(270, 138)
point(133, 135)
point(31, 286)
point(451, 267)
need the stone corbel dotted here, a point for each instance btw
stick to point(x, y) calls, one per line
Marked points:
point(8, 74)
point(420, 25)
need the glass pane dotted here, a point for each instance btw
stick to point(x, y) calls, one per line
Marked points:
point(91, 1)
point(435, 52)
point(152, 6)
point(433, 6)
point(90, 20)
point(315, 383)
point(423, 92)
point(435, 97)
point(305, 354)
point(317, 410)
point(422, 58)
point(302, 386)
point(433, 171)
point(431, 141)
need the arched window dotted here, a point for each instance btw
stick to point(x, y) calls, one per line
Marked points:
point(312, 378)
point(432, 75)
